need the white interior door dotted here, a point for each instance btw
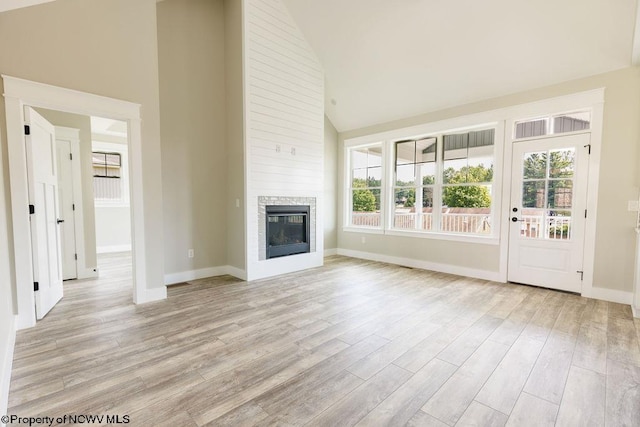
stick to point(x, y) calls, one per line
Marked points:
point(548, 209)
point(43, 196)
point(67, 209)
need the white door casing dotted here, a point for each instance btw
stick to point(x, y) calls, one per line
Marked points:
point(547, 212)
point(66, 200)
point(18, 93)
point(43, 196)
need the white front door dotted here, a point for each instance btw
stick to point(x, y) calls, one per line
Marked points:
point(43, 196)
point(548, 210)
point(67, 209)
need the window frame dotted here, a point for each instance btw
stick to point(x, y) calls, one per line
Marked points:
point(394, 165)
point(437, 130)
point(106, 164)
point(98, 145)
point(439, 186)
point(550, 118)
point(348, 224)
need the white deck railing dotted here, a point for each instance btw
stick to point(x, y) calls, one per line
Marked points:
point(451, 222)
point(532, 225)
point(367, 219)
point(556, 227)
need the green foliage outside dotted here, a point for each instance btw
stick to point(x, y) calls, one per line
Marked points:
point(468, 174)
point(468, 196)
point(535, 168)
point(363, 199)
point(463, 196)
point(560, 231)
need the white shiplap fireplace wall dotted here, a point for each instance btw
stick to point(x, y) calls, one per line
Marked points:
point(284, 125)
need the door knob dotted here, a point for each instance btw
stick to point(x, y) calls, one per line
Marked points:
point(59, 221)
point(514, 219)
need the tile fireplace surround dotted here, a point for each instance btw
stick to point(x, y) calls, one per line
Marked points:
point(264, 201)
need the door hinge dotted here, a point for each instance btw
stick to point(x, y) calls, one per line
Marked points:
point(581, 274)
point(27, 130)
point(36, 286)
point(73, 207)
point(75, 256)
point(70, 156)
point(32, 209)
point(585, 213)
point(589, 147)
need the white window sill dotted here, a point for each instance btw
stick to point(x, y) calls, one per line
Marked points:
point(467, 238)
point(369, 230)
point(483, 240)
point(111, 205)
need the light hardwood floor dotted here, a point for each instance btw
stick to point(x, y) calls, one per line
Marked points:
point(351, 343)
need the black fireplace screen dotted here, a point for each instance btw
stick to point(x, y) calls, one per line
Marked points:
point(287, 230)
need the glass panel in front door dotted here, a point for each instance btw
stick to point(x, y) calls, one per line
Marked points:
point(547, 194)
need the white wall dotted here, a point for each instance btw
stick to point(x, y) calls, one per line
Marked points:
point(284, 107)
point(330, 186)
point(113, 229)
point(113, 218)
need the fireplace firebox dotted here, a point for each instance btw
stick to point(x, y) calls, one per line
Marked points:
point(287, 230)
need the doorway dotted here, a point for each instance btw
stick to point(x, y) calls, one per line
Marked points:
point(548, 211)
point(19, 93)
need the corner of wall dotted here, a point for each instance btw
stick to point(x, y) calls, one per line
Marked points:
point(7, 346)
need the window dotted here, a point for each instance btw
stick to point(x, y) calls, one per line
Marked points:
point(106, 165)
point(366, 186)
point(551, 125)
point(547, 193)
point(438, 184)
point(107, 174)
point(467, 182)
point(457, 200)
point(415, 176)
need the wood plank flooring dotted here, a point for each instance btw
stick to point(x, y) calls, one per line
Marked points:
point(351, 343)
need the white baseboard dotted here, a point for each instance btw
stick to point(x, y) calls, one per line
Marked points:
point(621, 297)
point(330, 252)
point(151, 295)
point(88, 273)
point(185, 276)
point(635, 310)
point(425, 265)
point(235, 272)
point(112, 249)
point(6, 363)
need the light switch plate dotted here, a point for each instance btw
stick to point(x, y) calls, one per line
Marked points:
point(633, 205)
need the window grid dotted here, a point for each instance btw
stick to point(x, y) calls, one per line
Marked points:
point(413, 199)
point(552, 125)
point(415, 187)
point(365, 189)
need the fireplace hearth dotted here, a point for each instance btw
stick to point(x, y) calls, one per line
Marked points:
point(287, 230)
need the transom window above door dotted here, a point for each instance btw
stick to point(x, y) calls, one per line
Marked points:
point(551, 125)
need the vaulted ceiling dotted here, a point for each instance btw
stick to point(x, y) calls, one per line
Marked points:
point(17, 4)
point(386, 60)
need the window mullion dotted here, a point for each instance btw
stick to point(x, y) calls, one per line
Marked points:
point(437, 188)
point(390, 184)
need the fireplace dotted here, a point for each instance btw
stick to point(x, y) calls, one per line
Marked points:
point(287, 230)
